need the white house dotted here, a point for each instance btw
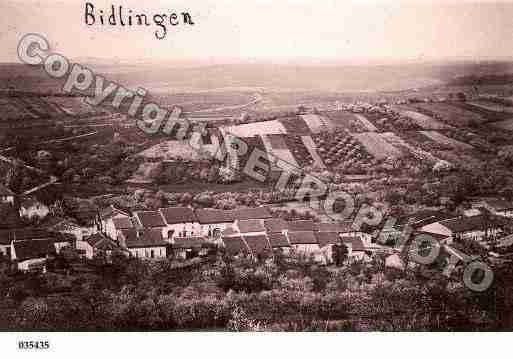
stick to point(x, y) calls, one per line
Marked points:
point(144, 244)
point(31, 255)
point(250, 227)
point(112, 220)
point(6, 195)
point(32, 209)
point(151, 220)
point(279, 242)
point(180, 222)
point(213, 221)
point(475, 228)
point(305, 243)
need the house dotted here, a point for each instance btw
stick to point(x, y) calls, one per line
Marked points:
point(475, 228)
point(355, 249)
point(190, 247)
point(96, 244)
point(345, 229)
point(250, 227)
point(31, 255)
point(112, 220)
point(6, 195)
point(305, 243)
point(499, 207)
point(279, 242)
point(62, 240)
point(258, 245)
point(213, 221)
point(236, 246)
point(326, 242)
point(276, 225)
point(32, 209)
point(180, 222)
point(150, 220)
point(144, 243)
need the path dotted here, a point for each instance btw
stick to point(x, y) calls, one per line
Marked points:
point(310, 146)
point(52, 180)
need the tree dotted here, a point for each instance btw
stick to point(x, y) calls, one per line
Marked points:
point(340, 253)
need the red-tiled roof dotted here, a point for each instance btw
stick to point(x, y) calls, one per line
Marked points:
point(275, 225)
point(302, 237)
point(122, 223)
point(335, 227)
point(465, 224)
point(258, 244)
point(212, 216)
point(33, 249)
point(327, 238)
point(251, 213)
point(190, 242)
point(250, 225)
point(278, 240)
point(235, 245)
point(110, 212)
point(150, 219)
point(302, 225)
point(174, 215)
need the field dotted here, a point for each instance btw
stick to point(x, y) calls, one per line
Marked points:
point(483, 111)
point(347, 120)
point(257, 128)
point(492, 106)
point(423, 121)
point(377, 146)
point(398, 142)
point(449, 114)
point(312, 149)
point(275, 145)
point(366, 123)
point(317, 123)
point(295, 125)
point(340, 150)
point(299, 151)
point(169, 150)
point(444, 140)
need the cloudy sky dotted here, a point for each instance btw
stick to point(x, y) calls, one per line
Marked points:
point(271, 30)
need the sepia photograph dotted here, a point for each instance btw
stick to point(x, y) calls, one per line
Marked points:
point(221, 166)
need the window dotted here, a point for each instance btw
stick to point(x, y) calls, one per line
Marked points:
point(152, 253)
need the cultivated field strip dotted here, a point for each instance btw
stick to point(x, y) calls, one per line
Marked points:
point(398, 142)
point(420, 119)
point(257, 128)
point(444, 140)
point(312, 149)
point(452, 115)
point(377, 146)
point(317, 123)
point(366, 123)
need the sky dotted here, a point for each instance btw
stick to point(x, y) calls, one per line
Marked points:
point(271, 30)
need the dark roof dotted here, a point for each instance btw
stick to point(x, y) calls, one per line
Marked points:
point(7, 236)
point(144, 238)
point(424, 217)
point(258, 244)
point(174, 215)
point(275, 225)
point(101, 242)
point(5, 192)
point(302, 237)
point(327, 238)
point(356, 243)
point(150, 219)
point(465, 224)
point(251, 213)
point(335, 227)
point(499, 204)
point(278, 240)
point(122, 223)
point(250, 225)
point(95, 238)
point(30, 249)
point(211, 216)
point(235, 245)
point(302, 225)
point(111, 211)
point(190, 242)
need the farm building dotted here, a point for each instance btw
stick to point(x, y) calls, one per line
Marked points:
point(213, 221)
point(180, 222)
point(191, 247)
point(31, 255)
point(145, 244)
point(475, 228)
point(305, 243)
point(112, 220)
